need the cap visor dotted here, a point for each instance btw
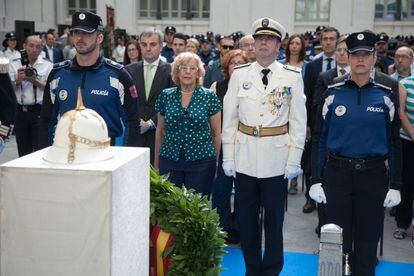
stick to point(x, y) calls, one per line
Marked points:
point(266, 32)
point(85, 29)
point(361, 48)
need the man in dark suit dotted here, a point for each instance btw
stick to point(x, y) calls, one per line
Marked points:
point(326, 78)
point(151, 76)
point(52, 53)
point(324, 63)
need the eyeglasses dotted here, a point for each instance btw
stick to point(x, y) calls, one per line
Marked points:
point(225, 47)
point(132, 50)
point(190, 69)
point(397, 57)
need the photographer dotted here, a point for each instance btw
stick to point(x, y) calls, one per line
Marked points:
point(29, 82)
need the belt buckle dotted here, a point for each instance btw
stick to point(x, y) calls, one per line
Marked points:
point(256, 131)
point(24, 108)
point(359, 165)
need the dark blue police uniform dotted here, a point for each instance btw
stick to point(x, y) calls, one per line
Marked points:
point(106, 88)
point(357, 129)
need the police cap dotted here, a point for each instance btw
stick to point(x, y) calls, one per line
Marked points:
point(268, 26)
point(170, 30)
point(87, 22)
point(11, 35)
point(361, 41)
point(320, 29)
point(382, 38)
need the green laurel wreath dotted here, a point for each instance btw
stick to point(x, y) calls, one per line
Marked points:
point(198, 246)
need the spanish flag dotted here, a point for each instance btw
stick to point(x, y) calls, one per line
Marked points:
point(159, 241)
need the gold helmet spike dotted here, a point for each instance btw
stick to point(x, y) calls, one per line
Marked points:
point(79, 104)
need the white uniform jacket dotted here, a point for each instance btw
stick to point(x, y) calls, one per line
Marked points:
point(283, 102)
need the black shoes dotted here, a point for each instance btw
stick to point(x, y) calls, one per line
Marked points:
point(309, 207)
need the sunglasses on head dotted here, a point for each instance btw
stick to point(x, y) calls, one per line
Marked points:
point(225, 47)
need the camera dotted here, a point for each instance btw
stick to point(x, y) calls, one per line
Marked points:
point(29, 71)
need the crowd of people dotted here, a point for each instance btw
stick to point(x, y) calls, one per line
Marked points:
point(244, 111)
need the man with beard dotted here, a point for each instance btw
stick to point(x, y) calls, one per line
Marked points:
point(106, 86)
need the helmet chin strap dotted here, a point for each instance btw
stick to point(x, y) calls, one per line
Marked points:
point(79, 139)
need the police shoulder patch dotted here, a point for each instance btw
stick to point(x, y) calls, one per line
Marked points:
point(242, 66)
point(62, 64)
point(292, 68)
point(114, 64)
point(336, 85)
point(383, 86)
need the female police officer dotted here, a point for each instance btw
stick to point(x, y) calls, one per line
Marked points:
point(357, 129)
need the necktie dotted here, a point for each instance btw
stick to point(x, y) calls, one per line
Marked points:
point(329, 66)
point(342, 71)
point(265, 81)
point(148, 79)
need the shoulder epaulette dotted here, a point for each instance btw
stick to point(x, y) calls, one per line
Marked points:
point(242, 66)
point(62, 64)
point(336, 85)
point(292, 68)
point(114, 64)
point(383, 86)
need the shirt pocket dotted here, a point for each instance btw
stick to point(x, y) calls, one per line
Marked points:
point(281, 140)
point(247, 94)
point(241, 138)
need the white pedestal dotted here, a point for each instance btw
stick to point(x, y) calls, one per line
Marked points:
point(68, 220)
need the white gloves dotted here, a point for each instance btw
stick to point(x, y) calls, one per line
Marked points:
point(229, 167)
point(316, 193)
point(393, 198)
point(292, 170)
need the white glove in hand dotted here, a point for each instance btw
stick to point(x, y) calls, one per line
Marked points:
point(292, 170)
point(229, 167)
point(393, 198)
point(316, 193)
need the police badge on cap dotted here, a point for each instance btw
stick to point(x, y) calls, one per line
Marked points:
point(268, 26)
point(361, 41)
point(86, 22)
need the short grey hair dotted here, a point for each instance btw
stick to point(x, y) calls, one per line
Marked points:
point(151, 32)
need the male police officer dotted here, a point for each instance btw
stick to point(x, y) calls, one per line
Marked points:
point(106, 86)
point(356, 130)
point(264, 129)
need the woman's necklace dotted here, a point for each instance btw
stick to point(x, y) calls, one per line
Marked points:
point(186, 92)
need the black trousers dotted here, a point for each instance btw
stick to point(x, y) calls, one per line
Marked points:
point(404, 213)
point(26, 129)
point(222, 188)
point(197, 175)
point(147, 140)
point(355, 202)
point(251, 194)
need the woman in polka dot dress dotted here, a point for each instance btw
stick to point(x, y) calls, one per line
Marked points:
point(188, 135)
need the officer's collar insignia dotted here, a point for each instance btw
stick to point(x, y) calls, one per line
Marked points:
point(247, 85)
point(340, 110)
point(265, 22)
point(360, 36)
point(82, 16)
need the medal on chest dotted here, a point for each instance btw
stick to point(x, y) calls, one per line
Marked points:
point(277, 98)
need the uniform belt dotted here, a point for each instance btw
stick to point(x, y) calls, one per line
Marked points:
point(259, 131)
point(356, 164)
point(29, 108)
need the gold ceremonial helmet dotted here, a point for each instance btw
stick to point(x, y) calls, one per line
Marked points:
point(81, 137)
